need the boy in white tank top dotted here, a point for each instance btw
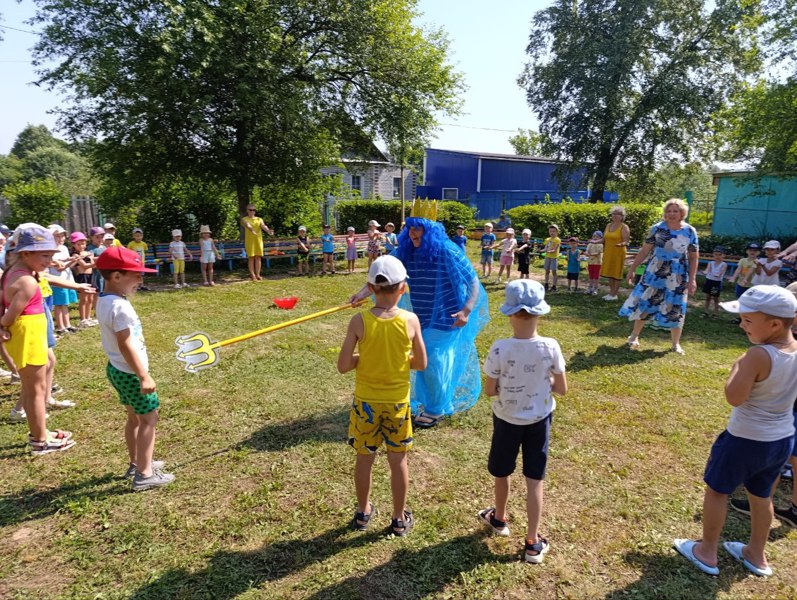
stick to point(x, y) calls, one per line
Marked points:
point(760, 435)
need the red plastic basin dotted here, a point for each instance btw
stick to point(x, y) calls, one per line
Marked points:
point(286, 303)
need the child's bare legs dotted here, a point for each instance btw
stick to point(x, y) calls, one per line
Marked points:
point(210, 273)
point(362, 481)
point(547, 276)
point(555, 276)
point(761, 514)
point(176, 278)
point(83, 306)
point(50, 373)
point(399, 482)
point(34, 379)
point(533, 509)
point(7, 359)
point(502, 485)
point(351, 266)
point(715, 509)
point(707, 304)
point(140, 439)
point(61, 317)
point(508, 272)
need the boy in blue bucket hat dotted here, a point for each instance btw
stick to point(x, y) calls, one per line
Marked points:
point(523, 372)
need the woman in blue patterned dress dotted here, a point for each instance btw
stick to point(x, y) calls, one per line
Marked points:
point(662, 292)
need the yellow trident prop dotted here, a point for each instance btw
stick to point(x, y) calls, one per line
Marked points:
point(198, 352)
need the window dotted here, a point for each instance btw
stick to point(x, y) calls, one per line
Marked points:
point(397, 187)
point(356, 183)
point(450, 193)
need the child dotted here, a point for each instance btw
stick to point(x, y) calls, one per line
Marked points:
point(61, 267)
point(351, 249)
point(760, 433)
point(108, 241)
point(328, 251)
point(523, 252)
point(573, 263)
point(712, 286)
point(524, 372)
point(391, 240)
point(487, 244)
point(551, 249)
point(390, 344)
point(508, 246)
point(594, 261)
point(767, 270)
point(82, 272)
point(23, 329)
point(128, 365)
point(302, 251)
point(745, 270)
point(110, 228)
point(140, 247)
point(207, 254)
point(373, 241)
point(460, 239)
point(96, 247)
point(177, 252)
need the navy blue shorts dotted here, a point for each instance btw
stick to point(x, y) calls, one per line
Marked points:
point(740, 290)
point(794, 449)
point(508, 439)
point(712, 287)
point(735, 461)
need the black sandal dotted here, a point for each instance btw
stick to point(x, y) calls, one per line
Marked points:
point(360, 521)
point(402, 527)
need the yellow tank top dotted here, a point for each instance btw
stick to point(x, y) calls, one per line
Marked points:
point(44, 286)
point(383, 369)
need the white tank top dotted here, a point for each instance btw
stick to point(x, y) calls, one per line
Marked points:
point(714, 272)
point(766, 415)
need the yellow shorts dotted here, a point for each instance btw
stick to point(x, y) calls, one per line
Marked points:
point(28, 343)
point(371, 423)
point(179, 266)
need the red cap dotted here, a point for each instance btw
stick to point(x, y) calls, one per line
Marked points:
point(117, 258)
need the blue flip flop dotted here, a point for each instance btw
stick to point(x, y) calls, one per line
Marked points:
point(735, 550)
point(686, 549)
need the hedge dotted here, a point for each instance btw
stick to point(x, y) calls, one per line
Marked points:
point(580, 220)
point(735, 245)
point(357, 213)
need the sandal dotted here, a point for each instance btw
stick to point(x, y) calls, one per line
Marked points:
point(426, 421)
point(58, 434)
point(53, 443)
point(632, 343)
point(402, 527)
point(361, 520)
point(536, 552)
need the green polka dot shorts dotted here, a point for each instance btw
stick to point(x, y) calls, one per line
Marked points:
point(129, 388)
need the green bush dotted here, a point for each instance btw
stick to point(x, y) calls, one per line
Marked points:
point(357, 213)
point(581, 220)
point(39, 201)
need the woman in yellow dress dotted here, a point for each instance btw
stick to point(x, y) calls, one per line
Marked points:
point(615, 241)
point(253, 240)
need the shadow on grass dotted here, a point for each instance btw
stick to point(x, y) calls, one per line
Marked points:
point(609, 356)
point(671, 576)
point(416, 573)
point(30, 504)
point(326, 427)
point(409, 574)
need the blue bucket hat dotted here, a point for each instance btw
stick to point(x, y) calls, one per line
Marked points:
point(525, 294)
point(4, 229)
point(30, 237)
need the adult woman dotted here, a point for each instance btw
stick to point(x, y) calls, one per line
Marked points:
point(662, 292)
point(615, 241)
point(253, 240)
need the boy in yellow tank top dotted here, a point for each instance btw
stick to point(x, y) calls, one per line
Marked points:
point(390, 344)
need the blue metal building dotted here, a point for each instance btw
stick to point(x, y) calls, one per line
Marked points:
point(495, 182)
point(755, 207)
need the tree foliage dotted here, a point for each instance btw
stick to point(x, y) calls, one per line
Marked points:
point(621, 85)
point(670, 180)
point(528, 142)
point(38, 201)
point(248, 92)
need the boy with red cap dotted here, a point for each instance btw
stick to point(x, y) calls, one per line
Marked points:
point(128, 365)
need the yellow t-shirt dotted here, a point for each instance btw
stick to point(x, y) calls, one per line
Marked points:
point(552, 245)
point(383, 369)
point(140, 247)
point(746, 268)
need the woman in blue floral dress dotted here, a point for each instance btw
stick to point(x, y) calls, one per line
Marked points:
point(662, 292)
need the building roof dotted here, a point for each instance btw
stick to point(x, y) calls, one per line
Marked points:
point(495, 156)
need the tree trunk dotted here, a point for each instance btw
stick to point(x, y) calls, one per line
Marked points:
point(602, 170)
point(244, 193)
point(401, 190)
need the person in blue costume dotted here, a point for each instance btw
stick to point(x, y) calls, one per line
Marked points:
point(451, 304)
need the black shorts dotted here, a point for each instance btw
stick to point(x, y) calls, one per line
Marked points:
point(572, 276)
point(83, 278)
point(523, 268)
point(508, 439)
point(712, 288)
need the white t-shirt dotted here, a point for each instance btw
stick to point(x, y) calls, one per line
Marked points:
point(523, 369)
point(764, 279)
point(115, 314)
point(177, 250)
point(62, 254)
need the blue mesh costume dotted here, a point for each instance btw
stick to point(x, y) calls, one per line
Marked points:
point(441, 279)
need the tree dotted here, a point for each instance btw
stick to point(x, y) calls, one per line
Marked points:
point(10, 169)
point(670, 180)
point(248, 92)
point(621, 85)
point(528, 142)
point(39, 201)
point(35, 137)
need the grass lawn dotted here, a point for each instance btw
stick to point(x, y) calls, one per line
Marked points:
point(264, 492)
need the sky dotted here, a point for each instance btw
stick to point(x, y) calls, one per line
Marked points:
point(488, 41)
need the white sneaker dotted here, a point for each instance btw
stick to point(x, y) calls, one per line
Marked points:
point(18, 416)
point(4, 373)
point(53, 403)
point(177, 286)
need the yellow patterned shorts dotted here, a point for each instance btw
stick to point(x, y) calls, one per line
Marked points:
point(179, 266)
point(371, 423)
